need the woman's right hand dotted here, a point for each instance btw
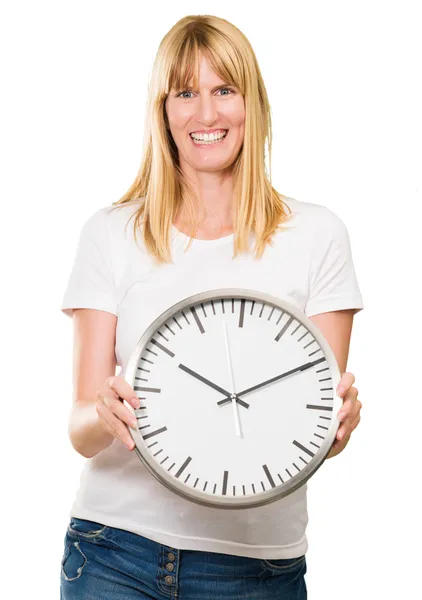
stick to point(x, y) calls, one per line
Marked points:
point(113, 415)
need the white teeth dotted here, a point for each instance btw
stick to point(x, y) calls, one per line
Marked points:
point(212, 137)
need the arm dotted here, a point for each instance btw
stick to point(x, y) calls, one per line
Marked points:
point(336, 327)
point(93, 361)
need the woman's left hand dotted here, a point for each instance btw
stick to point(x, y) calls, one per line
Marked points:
point(349, 413)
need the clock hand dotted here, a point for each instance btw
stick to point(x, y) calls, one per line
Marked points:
point(260, 385)
point(233, 396)
point(211, 384)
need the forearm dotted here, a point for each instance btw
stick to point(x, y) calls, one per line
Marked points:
point(86, 434)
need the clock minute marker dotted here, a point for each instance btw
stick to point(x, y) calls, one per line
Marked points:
point(147, 389)
point(314, 352)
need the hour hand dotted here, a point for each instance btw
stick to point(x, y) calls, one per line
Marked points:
point(211, 384)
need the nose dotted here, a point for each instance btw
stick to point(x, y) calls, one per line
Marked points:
point(207, 110)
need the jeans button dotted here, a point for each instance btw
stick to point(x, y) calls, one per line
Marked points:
point(168, 579)
point(170, 566)
point(171, 556)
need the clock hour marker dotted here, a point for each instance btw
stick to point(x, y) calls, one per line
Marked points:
point(319, 407)
point(303, 448)
point(156, 432)
point(183, 467)
point(197, 319)
point(242, 312)
point(268, 474)
point(147, 389)
point(225, 478)
point(278, 336)
point(169, 352)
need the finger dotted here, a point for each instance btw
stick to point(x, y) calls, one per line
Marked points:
point(348, 427)
point(351, 405)
point(122, 412)
point(114, 426)
point(119, 388)
point(345, 383)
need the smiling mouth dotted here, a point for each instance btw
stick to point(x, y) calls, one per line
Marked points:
point(209, 142)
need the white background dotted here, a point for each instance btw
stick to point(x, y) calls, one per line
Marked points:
point(344, 85)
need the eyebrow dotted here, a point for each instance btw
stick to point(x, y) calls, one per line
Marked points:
point(217, 87)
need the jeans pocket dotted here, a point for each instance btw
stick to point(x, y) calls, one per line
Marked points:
point(86, 530)
point(73, 561)
point(284, 564)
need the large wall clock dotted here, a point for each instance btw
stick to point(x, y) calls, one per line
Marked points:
point(237, 391)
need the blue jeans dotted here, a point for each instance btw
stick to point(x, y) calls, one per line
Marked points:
point(106, 563)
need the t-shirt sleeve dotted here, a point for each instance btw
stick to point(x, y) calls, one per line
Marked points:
point(333, 283)
point(91, 282)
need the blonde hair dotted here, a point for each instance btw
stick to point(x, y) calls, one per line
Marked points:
point(160, 184)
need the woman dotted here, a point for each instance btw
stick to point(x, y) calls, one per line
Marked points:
point(200, 198)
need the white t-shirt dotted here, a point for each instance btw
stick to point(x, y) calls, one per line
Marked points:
point(310, 266)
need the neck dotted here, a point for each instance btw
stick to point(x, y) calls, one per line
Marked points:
point(213, 202)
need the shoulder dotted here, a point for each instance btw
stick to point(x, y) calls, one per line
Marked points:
point(314, 219)
point(114, 220)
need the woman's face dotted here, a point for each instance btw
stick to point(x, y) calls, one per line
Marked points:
point(211, 108)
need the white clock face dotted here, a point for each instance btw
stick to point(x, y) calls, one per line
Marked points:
point(237, 392)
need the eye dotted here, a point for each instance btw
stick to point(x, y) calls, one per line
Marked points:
point(185, 92)
point(229, 89)
point(221, 89)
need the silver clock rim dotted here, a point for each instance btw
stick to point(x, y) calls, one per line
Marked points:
point(261, 498)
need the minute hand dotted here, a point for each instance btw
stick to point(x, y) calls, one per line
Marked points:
point(264, 383)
